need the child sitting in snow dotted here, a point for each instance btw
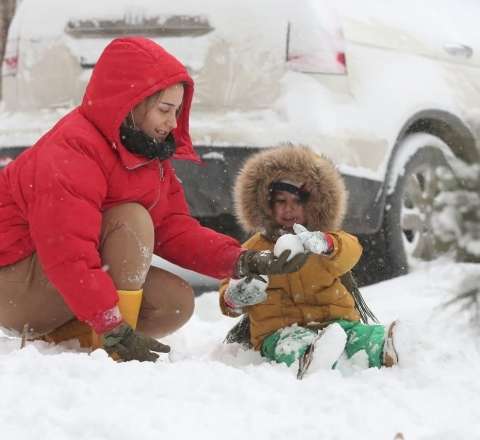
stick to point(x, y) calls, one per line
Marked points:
point(291, 190)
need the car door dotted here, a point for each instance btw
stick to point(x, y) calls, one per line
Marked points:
point(463, 52)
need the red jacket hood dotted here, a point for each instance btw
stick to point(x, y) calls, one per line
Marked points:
point(129, 70)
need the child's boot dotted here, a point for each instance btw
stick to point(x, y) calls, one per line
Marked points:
point(390, 355)
point(324, 352)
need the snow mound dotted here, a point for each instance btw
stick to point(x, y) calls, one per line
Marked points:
point(206, 389)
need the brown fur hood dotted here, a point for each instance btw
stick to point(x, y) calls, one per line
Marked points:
point(326, 206)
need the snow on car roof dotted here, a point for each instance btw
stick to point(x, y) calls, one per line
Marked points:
point(49, 17)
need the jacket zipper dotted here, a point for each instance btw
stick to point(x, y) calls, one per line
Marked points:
point(162, 174)
point(161, 171)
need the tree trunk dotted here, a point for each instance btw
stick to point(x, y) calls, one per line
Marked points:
point(7, 9)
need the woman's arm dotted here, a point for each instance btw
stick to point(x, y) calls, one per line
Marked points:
point(181, 239)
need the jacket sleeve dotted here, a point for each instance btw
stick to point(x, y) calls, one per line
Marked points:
point(64, 216)
point(346, 253)
point(223, 306)
point(181, 239)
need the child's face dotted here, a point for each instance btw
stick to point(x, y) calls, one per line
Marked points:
point(287, 209)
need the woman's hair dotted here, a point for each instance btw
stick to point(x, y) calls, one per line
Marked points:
point(151, 100)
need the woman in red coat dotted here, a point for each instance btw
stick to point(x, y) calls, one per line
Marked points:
point(84, 209)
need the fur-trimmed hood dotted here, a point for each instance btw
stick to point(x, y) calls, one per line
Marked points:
point(326, 206)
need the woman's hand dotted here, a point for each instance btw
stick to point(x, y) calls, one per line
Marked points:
point(128, 345)
point(253, 263)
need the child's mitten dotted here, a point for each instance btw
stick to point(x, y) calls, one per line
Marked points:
point(245, 292)
point(314, 241)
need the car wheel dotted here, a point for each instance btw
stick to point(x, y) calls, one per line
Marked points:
point(414, 183)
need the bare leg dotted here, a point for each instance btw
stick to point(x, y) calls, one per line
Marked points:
point(126, 245)
point(168, 303)
point(27, 297)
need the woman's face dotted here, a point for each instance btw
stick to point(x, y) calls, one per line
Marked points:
point(287, 209)
point(157, 115)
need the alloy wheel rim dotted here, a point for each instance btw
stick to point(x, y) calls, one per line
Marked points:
point(421, 188)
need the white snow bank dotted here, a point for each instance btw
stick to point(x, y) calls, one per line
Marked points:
point(212, 390)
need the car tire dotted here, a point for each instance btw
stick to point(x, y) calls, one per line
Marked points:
point(409, 207)
point(406, 234)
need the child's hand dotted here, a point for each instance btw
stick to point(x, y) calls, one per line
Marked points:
point(245, 292)
point(314, 241)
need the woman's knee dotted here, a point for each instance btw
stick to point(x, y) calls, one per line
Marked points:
point(126, 245)
point(132, 214)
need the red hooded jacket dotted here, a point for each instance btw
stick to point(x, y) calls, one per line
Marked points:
point(53, 195)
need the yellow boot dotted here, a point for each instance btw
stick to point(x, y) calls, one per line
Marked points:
point(129, 303)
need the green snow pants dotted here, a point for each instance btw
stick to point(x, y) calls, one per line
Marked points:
point(289, 344)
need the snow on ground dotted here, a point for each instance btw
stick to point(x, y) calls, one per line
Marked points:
point(209, 390)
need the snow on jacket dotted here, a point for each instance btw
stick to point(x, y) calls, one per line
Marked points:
point(53, 195)
point(315, 293)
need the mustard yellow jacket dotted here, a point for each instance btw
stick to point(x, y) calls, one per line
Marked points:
point(314, 294)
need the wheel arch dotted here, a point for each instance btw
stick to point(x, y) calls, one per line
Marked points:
point(446, 126)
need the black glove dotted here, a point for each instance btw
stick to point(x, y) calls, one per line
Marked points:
point(254, 263)
point(128, 345)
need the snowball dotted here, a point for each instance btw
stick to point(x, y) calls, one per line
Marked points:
point(291, 242)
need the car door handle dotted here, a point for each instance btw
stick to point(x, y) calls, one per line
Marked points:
point(458, 50)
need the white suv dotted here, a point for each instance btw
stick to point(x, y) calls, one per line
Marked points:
point(386, 89)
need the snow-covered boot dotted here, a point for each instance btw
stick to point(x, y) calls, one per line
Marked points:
point(390, 355)
point(324, 352)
